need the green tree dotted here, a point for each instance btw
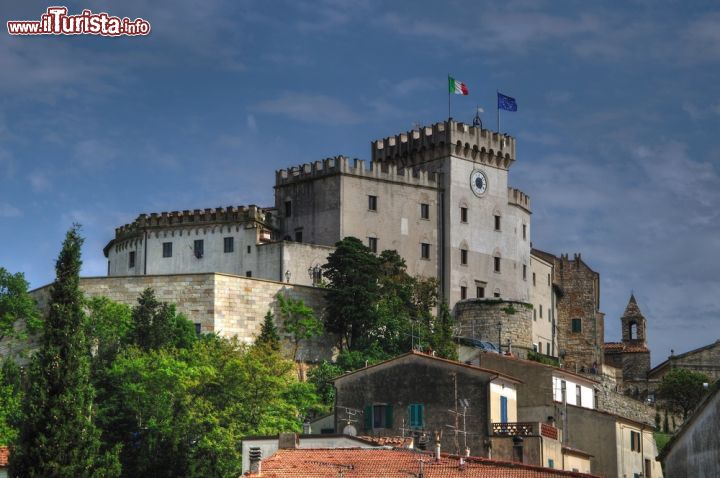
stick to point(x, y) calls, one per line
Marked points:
point(19, 315)
point(682, 390)
point(299, 321)
point(58, 437)
point(442, 334)
point(106, 328)
point(353, 275)
point(322, 377)
point(11, 397)
point(157, 324)
point(269, 336)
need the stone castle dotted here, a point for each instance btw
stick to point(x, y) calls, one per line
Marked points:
point(439, 195)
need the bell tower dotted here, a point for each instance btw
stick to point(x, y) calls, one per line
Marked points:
point(633, 324)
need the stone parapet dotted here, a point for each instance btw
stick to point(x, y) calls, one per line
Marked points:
point(519, 198)
point(442, 139)
point(355, 167)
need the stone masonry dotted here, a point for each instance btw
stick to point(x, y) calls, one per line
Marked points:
point(225, 304)
point(496, 319)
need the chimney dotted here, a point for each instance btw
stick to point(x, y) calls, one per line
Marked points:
point(437, 451)
point(288, 441)
point(307, 429)
point(255, 455)
point(467, 452)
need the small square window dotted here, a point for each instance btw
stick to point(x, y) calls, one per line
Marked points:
point(463, 214)
point(131, 259)
point(463, 257)
point(229, 244)
point(372, 203)
point(249, 249)
point(547, 348)
point(497, 222)
point(372, 244)
point(199, 248)
point(463, 292)
point(576, 325)
point(298, 236)
point(248, 273)
point(424, 211)
point(524, 229)
point(425, 251)
point(198, 328)
point(535, 314)
point(288, 208)
point(479, 292)
point(167, 249)
point(496, 294)
point(496, 264)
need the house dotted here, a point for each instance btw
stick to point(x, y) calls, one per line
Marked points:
point(611, 431)
point(695, 448)
point(394, 463)
point(468, 409)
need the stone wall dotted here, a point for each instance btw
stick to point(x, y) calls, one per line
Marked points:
point(482, 316)
point(225, 304)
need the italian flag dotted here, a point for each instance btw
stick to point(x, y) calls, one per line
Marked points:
point(457, 87)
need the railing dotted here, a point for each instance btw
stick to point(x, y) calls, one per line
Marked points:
point(525, 429)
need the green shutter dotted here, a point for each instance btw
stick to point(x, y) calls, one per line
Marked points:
point(368, 417)
point(388, 416)
point(421, 415)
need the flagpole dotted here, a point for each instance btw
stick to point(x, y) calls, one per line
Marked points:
point(449, 97)
point(497, 105)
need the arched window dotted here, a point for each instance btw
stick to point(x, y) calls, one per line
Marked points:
point(633, 331)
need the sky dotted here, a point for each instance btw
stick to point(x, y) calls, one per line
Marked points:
point(617, 124)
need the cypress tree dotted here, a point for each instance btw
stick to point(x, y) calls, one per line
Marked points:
point(57, 436)
point(269, 336)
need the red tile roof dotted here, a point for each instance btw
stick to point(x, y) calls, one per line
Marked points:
point(396, 463)
point(621, 347)
point(4, 456)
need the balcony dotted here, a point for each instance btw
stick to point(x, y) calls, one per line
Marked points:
point(525, 429)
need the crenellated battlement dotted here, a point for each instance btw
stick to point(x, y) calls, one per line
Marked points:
point(355, 167)
point(519, 198)
point(196, 217)
point(440, 140)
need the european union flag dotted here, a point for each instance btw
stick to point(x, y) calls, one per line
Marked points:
point(506, 103)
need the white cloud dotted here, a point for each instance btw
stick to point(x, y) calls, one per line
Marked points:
point(310, 108)
point(39, 181)
point(8, 210)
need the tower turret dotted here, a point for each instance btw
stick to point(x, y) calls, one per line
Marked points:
point(633, 324)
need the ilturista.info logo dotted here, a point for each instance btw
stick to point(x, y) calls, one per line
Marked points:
point(56, 21)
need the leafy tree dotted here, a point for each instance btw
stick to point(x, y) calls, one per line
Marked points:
point(299, 321)
point(269, 336)
point(353, 275)
point(441, 337)
point(11, 397)
point(157, 324)
point(58, 437)
point(106, 328)
point(321, 377)
point(683, 389)
point(19, 315)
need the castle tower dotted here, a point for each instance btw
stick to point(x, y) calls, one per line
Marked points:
point(633, 324)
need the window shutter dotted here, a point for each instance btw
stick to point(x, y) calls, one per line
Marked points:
point(368, 417)
point(388, 416)
point(420, 415)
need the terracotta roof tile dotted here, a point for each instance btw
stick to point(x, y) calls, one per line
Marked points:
point(4, 456)
point(400, 442)
point(396, 463)
point(622, 347)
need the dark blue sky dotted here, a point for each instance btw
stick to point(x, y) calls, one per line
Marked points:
point(619, 112)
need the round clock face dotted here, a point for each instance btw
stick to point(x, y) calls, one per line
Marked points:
point(478, 182)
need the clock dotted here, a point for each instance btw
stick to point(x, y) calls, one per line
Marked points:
point(478, 182)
